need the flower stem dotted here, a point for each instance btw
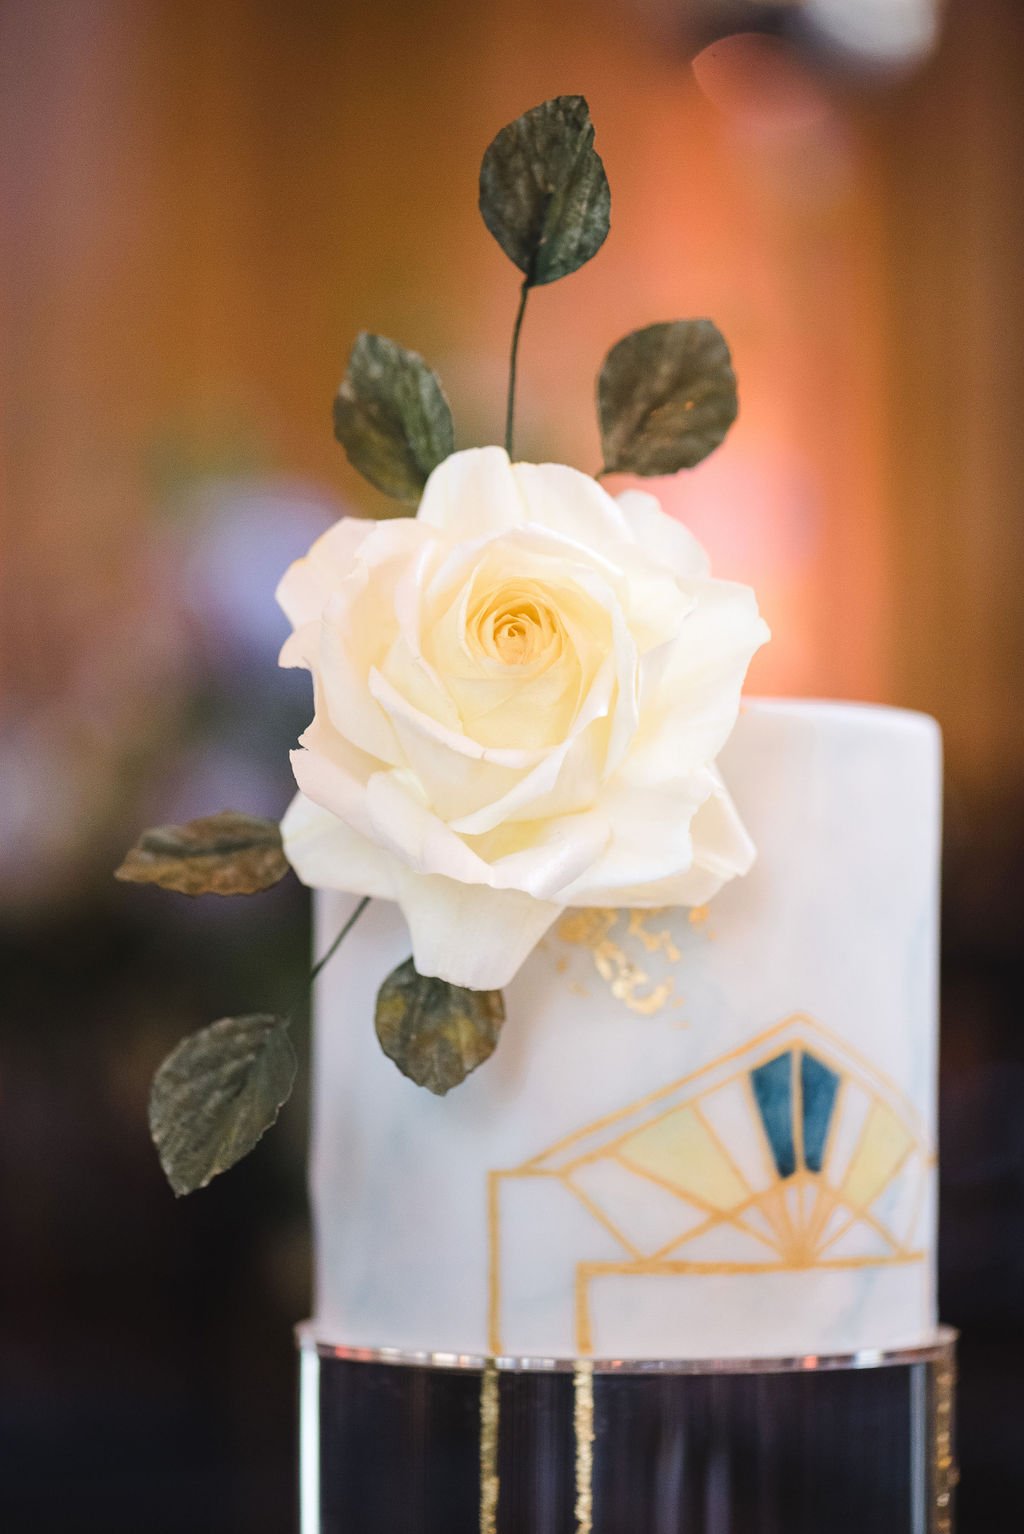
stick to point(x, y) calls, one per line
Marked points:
point(510, 411)
point(307, 989)
point(346, 929)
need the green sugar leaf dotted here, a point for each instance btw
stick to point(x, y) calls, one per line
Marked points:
point(225, 854)
point(216, 1094)
point(666, 397)
point(392, 418)
point(436, 1033)
point(543, 190)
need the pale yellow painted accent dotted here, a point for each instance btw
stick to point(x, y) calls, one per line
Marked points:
point(681, 1150)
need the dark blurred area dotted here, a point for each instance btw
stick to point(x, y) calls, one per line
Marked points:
point(203, 201)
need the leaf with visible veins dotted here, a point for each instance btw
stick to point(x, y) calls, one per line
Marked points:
point(216, 1094)
point(666, 397)
point(436, 1033)
point(226, 854)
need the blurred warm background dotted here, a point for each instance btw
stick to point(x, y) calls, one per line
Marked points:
point(202, 202)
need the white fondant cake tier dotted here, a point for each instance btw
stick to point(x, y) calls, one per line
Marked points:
point(703, 1134)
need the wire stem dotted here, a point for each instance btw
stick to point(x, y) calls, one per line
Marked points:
point(346, 929)
point(510, 412)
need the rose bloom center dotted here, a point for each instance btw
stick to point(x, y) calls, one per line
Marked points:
point(516, 627)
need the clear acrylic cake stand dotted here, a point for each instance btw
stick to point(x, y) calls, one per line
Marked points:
point(406, 1443)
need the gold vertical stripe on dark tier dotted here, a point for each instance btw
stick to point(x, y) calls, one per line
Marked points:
point(946, 1474)
point(490, 1485)
point(583, 1426)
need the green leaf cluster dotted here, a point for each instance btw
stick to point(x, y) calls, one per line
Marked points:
point(666, 393)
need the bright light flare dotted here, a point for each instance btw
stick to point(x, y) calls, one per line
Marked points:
point(882, 32)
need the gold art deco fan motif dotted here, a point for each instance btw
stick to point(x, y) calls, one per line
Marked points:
point(789, 1153)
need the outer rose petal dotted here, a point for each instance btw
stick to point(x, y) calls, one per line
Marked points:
point(463, 933)
point(468, 935)
point(722, 850)
point(663, 537)
point(650, 836)
point(480, 492)
point(571, 504)
point(472, 494)
point(690, 688)
point(721, 842)
point(306, 585)
point(327, 854)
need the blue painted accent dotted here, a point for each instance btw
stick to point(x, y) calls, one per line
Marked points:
point(773, 1092)
point(819, 1086)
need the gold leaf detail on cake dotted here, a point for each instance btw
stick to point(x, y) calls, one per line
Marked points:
point(598, 929)
point(583, 1431)
point(490, 1484)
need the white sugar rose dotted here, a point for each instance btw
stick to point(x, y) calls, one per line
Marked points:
point(519, 699)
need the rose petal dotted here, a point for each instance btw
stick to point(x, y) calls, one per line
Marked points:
point(306, 585)
point(403, 824)
point(341, 663)
point(572, 504)
point(472, 494)
point(326, 853)
point(650, 838)
point(334, 774)
point(690, 688)
point(663, 538)
point(471, 936)
point(721, 850)
point(721, 842)
point(565, 779)
point(544, 857)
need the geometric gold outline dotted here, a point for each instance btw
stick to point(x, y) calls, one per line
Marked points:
point(789, 1245)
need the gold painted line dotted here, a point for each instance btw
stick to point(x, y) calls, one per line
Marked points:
point(783, 1224)
point(713, 1221)
point(584, 1331)
point(867, 1067)
point(828, 1203)
point(752, 1230)
point(635, 1109)
point(771, 1205)
point(796, 1088)
point(859, 1144)
point(863, 1213)
point(716, 1216)
point(490, 1484)
point(894, 1172)
point(583, 1426)
point(716, 1138)
point(918, 1204)
point(775, 1200)
point(759, 1043)
point(694, 1199)
point(600, 1216)
point(833, 1126)
point(670, 1269)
